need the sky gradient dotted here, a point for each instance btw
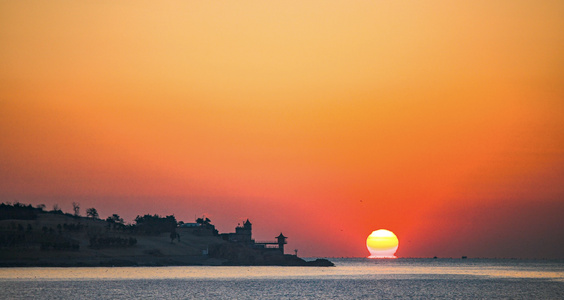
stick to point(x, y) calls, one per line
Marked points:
point(441, 121)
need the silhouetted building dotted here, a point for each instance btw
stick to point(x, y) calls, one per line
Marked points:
point(242, 234)
point(281, 242)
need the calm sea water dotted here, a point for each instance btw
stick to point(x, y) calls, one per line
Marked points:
point(353, 278)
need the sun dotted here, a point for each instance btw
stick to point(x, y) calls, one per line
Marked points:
point(382, 243)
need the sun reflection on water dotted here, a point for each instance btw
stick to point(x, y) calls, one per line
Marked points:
point(360, 268)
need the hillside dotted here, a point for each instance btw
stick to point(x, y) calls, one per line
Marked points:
point(33, 237)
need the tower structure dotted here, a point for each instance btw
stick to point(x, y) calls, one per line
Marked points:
point(248, 226)
point(281, 242)
point(243, 233)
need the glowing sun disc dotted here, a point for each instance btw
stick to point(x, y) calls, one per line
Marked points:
point(382, 243)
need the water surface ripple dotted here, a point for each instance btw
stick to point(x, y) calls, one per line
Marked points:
point(352, 278)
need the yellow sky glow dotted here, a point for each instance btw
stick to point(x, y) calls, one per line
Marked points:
point(246, 108)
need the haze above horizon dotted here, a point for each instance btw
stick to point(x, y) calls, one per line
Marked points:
point(438, 120)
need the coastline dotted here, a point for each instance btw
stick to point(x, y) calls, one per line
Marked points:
point(148, 261)
point(31, 237)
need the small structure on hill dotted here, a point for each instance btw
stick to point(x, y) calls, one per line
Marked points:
point(278, 244)
point(243, 235)
point(202, 227)
point(281, 239)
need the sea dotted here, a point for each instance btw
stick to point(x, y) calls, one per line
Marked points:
point(351, 278)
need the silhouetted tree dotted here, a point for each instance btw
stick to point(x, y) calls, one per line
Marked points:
point(17, 211)
point(76, 209)
point(92, 213)
point(203, 221)
point(115, 218)
point(155, 224)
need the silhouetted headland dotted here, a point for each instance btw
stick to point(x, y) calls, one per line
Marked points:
point(31, 236)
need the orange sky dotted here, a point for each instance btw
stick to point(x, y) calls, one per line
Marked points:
point(441, 121)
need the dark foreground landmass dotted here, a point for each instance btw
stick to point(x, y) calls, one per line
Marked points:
point(149, 261)
point(36, 238)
